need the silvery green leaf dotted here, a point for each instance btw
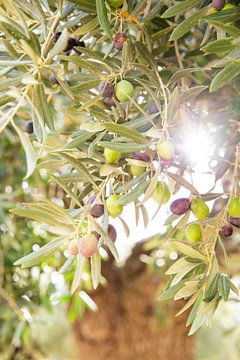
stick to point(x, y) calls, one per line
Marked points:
point(60, 45)
point(95, 269)
point(78, 274)
point(40, 254)
point(29, 151)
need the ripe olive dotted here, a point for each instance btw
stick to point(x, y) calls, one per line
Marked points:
point(124, 90)
point(143, 156)
point(113, 209)
point(234, 207)
point(112, 233)
point(110, 101)
point(180, 206)
point(200, 209)
point(88, 245)
point(218, 4)
point(161, 194)
point(226, 231)
point(111, 156)
point(193, 233)
point(119, 40)
point(70, 44)
point(73, 248)
point(97, 210)
point(166, 163)
point(106, 88)
point(28, 127)
point(166, 149)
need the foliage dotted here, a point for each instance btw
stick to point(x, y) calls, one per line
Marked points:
point(180, 59)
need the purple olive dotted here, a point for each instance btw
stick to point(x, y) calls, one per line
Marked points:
point(97, 210)
point(119, 40)
point(143, 156)
point(112, 233)
point(110, 101)
point(234, 221)
point(218, 4)
point(226, 231)
point(106, 88)
point(180, 206)
point(70, 44)
point(28, 127)
point(166, 163)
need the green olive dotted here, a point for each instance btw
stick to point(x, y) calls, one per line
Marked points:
point(115, 3)
point(193, 233)
point(111, 156)
point(124, 90)
point(179, 235)
point(234, 207)
point(113, 209)
point(161, 194)
point(166, 149)
point(137, 170)
point(200, 209)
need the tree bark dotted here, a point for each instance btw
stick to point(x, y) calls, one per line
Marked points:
point(126, 326)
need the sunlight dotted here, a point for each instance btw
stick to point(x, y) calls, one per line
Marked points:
point(198, 149)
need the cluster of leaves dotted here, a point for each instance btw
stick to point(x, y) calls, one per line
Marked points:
point(53, 81)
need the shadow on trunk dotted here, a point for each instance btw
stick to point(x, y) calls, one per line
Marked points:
point(125, 326)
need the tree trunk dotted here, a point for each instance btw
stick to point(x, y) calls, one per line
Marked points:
point(126, 325)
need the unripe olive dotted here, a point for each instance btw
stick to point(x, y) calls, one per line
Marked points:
point(218, 4)
point(143, 156)
point(200, 209)
point(234, 221)
point(73, 248)
point(111, 156)
point(124, 90)
point(152, 108)
point(234, 207)
point(106, 88)
point(115, 3)
point(166, 149)
point(166, 163)
point(88, 245)
point(97, 210)
point(193, 233)
point(137, 170)
point(226, 231)
point(179, 235)
point(113, 209)
point(180, 206)
point(112, 233)
point(119, 40)
point(161, 194)
point(28, 127)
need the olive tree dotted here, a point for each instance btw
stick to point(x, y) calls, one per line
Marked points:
point(104, 96)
